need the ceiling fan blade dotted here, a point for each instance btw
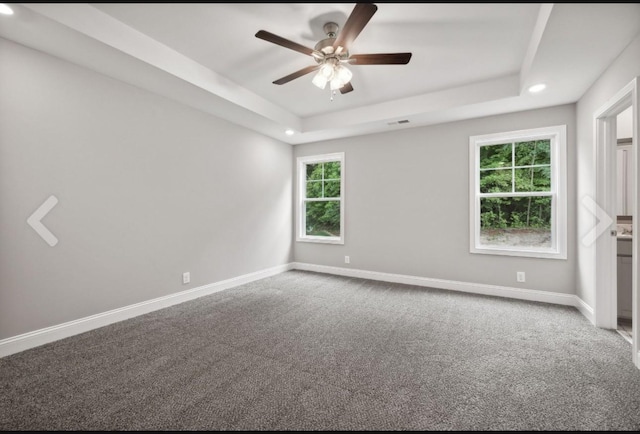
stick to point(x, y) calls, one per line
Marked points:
point(279, 40)
point(380, 59)
point(297, 74)
point(346, 88)
point(359, 18)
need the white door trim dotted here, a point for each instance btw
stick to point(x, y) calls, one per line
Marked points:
point(605, 308)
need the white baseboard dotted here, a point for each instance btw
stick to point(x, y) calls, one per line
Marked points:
point(36, 338)
point(474, 288)
point(585, 310)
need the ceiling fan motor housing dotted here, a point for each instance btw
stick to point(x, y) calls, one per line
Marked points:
point(326, 45)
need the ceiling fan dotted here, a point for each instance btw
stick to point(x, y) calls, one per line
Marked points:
point(332, 54)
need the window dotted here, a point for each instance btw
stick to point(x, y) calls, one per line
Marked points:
point(321, 198)
point(518, 193)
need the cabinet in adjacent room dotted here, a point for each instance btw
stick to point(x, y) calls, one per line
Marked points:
point(625, 178)
point(624, 278)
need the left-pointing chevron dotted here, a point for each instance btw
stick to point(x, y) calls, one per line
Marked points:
point(36, 224)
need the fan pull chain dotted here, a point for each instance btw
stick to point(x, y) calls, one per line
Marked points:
point(333, 92)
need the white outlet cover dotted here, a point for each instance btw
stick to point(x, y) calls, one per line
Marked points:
point(186, 277)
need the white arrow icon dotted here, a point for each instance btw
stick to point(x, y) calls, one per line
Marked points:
point(604, 221)
point(36, 224)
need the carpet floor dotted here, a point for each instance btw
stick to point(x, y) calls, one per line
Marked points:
point(311, 351)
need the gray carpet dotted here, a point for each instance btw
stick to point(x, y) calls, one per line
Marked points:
point(309, 351)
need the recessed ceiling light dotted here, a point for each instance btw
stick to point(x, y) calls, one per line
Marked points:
point(537, 88)
point(5, 10)
point(289, 132)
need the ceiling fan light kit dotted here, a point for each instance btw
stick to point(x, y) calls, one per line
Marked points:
point(332, 53)
point(334, 73)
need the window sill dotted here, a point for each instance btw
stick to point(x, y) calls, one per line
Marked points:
point(543, 254)
point(320, 240)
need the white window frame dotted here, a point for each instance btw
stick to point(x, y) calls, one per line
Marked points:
point(302, 162)
point(558, 139)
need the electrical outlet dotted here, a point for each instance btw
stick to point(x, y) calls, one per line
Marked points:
point(520, 276)
point(186, 277)
point(347, 260)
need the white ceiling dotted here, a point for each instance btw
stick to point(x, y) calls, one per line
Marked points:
point(469, 59)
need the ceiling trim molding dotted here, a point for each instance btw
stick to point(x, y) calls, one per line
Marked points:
point(473, 93)
point(95, 24)
point(534, 44)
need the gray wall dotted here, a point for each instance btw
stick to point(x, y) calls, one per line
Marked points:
point(620, 73)
point(147, 189)
point(407, 205)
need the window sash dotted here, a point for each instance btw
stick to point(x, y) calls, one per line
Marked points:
point(518, 194)
point(322, 199)
point(513, 167)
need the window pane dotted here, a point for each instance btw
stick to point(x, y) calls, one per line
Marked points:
point(314, 189)
point(534, 152)
point(495, 156)
point(332, 189)
point(516, 221)
point(323, 218)
point(496, 181)
point(533, 179)
point(332, 170)
point(314, 171)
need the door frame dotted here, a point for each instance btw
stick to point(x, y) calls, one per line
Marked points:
point(605, 309)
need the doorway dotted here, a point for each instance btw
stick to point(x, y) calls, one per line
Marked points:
point(624, 221)
point(606, 135)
